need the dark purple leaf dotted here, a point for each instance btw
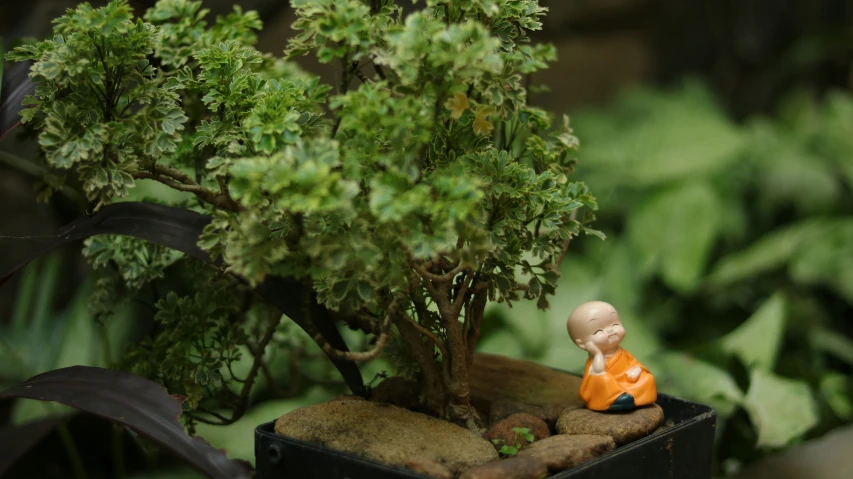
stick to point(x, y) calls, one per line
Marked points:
point(134, 401)
point(179, 229)
point(15, 441)
point(15, 86)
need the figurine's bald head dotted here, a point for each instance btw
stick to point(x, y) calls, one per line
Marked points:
point(598, 322)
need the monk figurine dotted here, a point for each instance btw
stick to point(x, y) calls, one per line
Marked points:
point(613, 380)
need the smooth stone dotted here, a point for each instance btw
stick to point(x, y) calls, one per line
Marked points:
point(429, 468)
point(397, 391)
point(495, 378)
point(349, 397)
point(623, 427)
point(503, 430)
point(565, 451)
point(386, 434)
point(512, 468)
point(504, 409)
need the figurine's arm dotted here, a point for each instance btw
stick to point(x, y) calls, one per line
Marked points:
point(597, 366)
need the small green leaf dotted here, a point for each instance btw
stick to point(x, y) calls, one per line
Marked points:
point(838, 394)
point(832, 342)
point(756, 342)
point(781, 409)
point(551, 276)
point(665, 232)
point(690, 378)
point(769, 252)
point(365, 290)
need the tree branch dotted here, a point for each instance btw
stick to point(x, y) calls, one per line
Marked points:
point(440, 278)
point(463, 291)
point(426, 333)
point(180, 181)
point(384, 336)
point(478, 306)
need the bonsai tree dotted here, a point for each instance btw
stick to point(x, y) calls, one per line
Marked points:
point(416, 189)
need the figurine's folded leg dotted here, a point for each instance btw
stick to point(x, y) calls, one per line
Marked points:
point(625, 402)
point(599, 392)
point(644, 390)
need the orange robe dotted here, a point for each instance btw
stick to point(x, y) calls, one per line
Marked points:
point(599, 391)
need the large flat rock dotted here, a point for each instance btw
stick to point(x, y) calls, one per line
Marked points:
point(505, 380)
point(387, 434)
point(623, 427)
point(565, 451)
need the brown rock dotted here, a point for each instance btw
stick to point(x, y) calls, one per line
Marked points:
point(503, 430)
point(496, 378)
point(504, 409)
point(387, 434)
point(623, 427)
point(429, 468)
point(348, 397)
point(565, 451)
point(512, 468)
point(397, 391)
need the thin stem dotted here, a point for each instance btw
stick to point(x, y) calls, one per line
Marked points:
point(379, 71)
point(222, 420)
point(21, 164)
point(361, 76)
point(384, 336)
point(441, 278)
point(566, 243)
point(73, 452)
point(426, 333)
point(461, 296)
point(180, 181)
point(118, 451)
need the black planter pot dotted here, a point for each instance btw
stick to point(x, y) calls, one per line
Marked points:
point(682, 451)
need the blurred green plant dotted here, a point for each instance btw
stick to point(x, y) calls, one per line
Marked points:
point(40, 336)
point(729, 257)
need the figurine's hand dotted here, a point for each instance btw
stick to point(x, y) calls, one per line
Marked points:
point(592, 349)
point(598, 366)
point(634, 373)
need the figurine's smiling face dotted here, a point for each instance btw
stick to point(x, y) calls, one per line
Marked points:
point(596, 322)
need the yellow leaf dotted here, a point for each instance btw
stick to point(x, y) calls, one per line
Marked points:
point(457, 105)
point(482, 125)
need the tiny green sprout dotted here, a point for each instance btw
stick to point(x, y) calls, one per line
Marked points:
point(523, 437)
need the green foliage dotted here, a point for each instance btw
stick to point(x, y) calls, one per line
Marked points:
point(732, 278)
point(99, 105)
point(142, 262)
point(523, 437)
point(43, 335)
point(198, 338)
point(425, 159)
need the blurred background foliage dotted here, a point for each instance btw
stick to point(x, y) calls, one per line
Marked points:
point(728, 257)
point(718, 139)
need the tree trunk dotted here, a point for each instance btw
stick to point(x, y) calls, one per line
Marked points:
point(444, 390)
